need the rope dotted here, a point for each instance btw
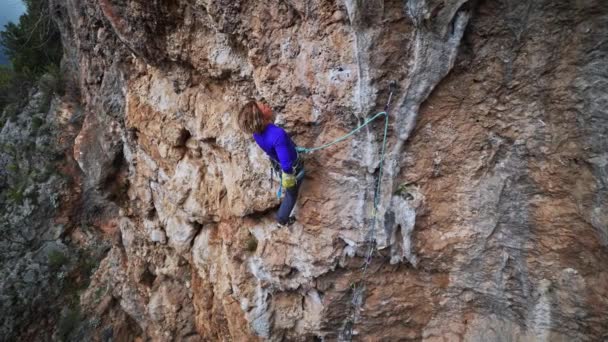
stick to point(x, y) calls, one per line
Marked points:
point(344, 137)
point(371, 239)
point(356, 301)
point(358, 288)
point(381, 164)
point(349, 134)
point(305, 150)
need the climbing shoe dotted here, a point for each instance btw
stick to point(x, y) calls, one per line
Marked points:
point(291, 220)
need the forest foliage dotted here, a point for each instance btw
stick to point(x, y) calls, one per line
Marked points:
point(33, 45)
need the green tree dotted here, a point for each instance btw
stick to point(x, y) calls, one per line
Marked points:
point(34, 47)
point(34, 42)
point(14, 88)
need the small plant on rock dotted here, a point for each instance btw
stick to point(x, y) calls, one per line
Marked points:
point(251, 244)
point(68, 323)
point(51, 85)
point(37, 122)
point(57, 259)
point(405, 190)
point(15, 195)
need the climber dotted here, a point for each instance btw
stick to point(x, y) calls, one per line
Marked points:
point(257, 118)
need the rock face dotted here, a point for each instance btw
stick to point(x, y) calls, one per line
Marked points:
point(41, 263)
point(492, 221)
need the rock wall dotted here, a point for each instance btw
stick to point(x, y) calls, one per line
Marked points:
point(492, 221)
point(49, 240)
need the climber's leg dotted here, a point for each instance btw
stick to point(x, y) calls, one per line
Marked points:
point(289, 201)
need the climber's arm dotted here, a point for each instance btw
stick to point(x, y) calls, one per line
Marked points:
point(282, 148)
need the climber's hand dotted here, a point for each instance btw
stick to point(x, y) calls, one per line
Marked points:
point(288, 180)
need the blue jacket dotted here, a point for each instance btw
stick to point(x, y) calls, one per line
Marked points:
point(278, 146)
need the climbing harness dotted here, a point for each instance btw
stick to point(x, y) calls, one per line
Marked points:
point(276, 167)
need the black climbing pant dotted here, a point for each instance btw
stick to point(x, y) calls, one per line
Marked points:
point(290, 196)
point(289, 201)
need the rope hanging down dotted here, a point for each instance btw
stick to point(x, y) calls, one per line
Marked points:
point(358, 288)
point(357, 300)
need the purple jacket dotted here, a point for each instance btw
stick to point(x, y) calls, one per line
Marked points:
point(278, 146)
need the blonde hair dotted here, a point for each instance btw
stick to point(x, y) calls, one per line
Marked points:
point(251, 119)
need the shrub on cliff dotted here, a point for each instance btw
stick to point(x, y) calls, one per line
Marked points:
point(13, 89)
point(34, 42)
point(34, 47)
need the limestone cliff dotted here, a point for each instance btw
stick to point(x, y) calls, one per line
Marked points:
point(492, 222)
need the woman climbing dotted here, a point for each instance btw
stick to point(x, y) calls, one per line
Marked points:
point(257, 118)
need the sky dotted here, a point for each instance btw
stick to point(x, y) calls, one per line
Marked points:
point(10, 10)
